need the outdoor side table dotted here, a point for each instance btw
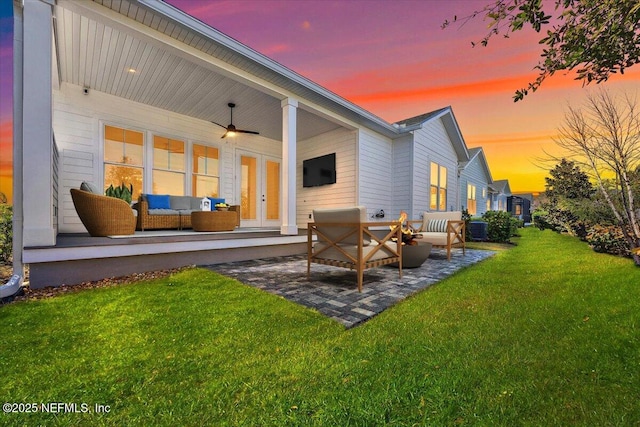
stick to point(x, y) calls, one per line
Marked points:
point(213, 220)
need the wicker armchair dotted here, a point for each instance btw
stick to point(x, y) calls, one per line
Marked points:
point(102, 215)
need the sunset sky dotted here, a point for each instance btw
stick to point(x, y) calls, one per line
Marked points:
point(393, 59)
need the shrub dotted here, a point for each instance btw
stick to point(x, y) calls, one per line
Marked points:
point(466, 217)
point(499, 226)
point(6, 232)
point(608, 239)
point(540, 218)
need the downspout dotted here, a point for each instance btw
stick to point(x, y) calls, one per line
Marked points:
point(13, 286)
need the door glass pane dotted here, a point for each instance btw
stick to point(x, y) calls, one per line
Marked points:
point(248, 184)
point(273, 189)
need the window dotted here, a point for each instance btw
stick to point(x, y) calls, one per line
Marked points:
point(518, 209)
point(123, 156)
point(438, 197)
point(168, 166)
point(206, 171)
point(488, 204)
point(471, 199)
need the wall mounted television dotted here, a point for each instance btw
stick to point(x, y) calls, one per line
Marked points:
point(319, 171)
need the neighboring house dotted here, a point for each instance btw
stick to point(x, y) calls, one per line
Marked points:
point(519, 205)
point(475, 183)
point(425, 163)
point(500, 193)
point(127, 91)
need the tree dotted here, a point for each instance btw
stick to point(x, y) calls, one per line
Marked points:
point(597, 38)
point(604, 137)
point(568, 181)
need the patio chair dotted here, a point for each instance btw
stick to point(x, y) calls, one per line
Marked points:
point(344, 240)
point(103, 215)
point(442, 229)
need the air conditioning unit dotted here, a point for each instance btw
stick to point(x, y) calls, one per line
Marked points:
point(479, 230)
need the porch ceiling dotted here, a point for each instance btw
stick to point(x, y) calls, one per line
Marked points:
point(96, 51)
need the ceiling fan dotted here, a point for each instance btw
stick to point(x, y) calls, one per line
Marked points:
point(231, 129)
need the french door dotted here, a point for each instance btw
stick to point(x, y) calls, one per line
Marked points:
point(258, 182)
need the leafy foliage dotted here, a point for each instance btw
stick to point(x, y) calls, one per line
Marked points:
point(604, 136)
point(609, 239)
point(122, 192)
point(596, 38)
point(501, 226)
point(568, 181)
point(575, 208)
point(6, 232)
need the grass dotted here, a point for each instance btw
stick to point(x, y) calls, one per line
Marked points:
point(545, 333)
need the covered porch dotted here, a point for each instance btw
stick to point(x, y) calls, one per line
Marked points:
point(146, 68)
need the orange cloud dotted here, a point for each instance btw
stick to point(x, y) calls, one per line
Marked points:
point(275, 49)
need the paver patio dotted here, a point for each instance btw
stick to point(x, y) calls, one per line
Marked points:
point(333, 291)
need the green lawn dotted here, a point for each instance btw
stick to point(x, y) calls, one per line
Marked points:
point(546, 333)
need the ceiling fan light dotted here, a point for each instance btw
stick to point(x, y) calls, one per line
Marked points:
point(231, 133)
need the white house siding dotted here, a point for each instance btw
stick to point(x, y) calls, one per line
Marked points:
point(78, 121)
point(474, 174)
point(402, 173)
point(432, 144)
point(376, 174)
point(343, 192)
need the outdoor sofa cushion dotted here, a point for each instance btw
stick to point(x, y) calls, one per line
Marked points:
point(357, 214)
point(158, 201)
point(214, 201)
point(180, 203)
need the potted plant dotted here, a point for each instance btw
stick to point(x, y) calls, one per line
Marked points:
point(122, 192)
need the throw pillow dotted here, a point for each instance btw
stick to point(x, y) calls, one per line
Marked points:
point(158, 201)
point(214, 201)
point(437, 226)
point(90, 187)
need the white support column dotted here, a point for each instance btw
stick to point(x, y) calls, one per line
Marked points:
point(37, 133)
point(289, 156)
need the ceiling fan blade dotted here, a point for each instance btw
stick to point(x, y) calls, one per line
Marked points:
point(224, 135)
point(247, 131)
point(219, 125)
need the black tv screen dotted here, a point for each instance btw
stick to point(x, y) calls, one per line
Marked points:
point(319, 171)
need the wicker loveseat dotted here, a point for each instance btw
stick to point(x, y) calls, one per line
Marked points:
point(102, 215)
point(156, 211)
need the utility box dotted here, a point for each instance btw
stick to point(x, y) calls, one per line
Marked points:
point(479, 230)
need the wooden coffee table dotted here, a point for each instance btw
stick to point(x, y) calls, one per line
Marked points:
point(213, 220)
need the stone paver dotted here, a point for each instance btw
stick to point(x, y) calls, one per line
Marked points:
point(333, 291)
